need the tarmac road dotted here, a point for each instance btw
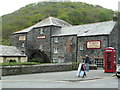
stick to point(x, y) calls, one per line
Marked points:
point(68, 79)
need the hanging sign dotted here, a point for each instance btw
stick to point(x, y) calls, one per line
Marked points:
point(96, 44)
point(41, 37)
point(22, 38)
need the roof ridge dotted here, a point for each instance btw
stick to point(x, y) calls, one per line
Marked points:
point(50, 18)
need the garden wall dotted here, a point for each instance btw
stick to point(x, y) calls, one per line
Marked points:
point(29, 69)
point(42, 68)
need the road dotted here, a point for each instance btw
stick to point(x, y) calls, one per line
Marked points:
point(61, 80)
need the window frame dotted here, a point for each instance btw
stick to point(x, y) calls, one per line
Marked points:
point(40, 47)
point(56, 39)
point(23, 45)
point(41, 31)
point(55, 49)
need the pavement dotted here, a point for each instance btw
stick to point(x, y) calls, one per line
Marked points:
point(91, 75)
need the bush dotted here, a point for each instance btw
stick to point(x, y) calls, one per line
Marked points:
point(18, 63)
point(12, 60)
point(35, 60)
point(75, 65)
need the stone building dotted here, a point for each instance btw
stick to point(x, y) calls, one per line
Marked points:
point(54, 40)
point(8, 53)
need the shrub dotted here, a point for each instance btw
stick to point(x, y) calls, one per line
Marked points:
point(35, 60)
point(18, 63)
point(75, 65)
point(12, 60)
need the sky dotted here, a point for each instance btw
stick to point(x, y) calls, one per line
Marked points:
point(9, 6)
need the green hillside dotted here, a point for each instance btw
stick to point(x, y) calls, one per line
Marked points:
point(74, 13)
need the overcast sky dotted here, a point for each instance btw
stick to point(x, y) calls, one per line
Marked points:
point(9, 6)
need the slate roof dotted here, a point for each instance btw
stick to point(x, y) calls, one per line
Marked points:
point(10, 51)
point(46, 22)
point(100, 28)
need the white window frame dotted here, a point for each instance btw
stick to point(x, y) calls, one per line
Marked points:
point(40, 47)
point(56, 39)
point(23, 45)
point(54, 60)
point(55, 49)
point(41, 31)
point(81, 47)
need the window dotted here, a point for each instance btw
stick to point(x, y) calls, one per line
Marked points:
point(81, 47)
point(23, 44)
point(56, 39)
point(99, 62)
point(55, 50)
point(54, 60)
point(41, 47)
point(41, 31)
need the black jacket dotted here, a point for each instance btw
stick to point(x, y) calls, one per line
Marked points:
point(87, 60)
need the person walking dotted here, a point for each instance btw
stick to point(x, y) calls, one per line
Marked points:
point(87, 62)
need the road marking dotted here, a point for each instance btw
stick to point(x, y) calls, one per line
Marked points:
point(33, 81)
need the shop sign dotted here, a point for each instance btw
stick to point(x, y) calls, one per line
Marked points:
point(41, 37)
point(22, 38)
point(96, 44)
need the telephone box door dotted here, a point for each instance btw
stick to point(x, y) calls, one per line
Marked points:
point(109, 60)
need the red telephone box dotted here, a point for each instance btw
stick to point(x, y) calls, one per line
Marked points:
point(110, 59)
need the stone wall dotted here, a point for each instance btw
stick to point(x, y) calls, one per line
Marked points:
point(38, 44)
point(66, 49)
point(113, 38)
point(42, 68)
point(93, 53)
point(15, 70)
point(17, 41)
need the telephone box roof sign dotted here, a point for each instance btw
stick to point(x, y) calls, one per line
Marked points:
point(95, 44)
point(110, 49)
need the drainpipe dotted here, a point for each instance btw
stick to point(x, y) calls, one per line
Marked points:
point(76, 47)
point(108, 41)
point(50, 43)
